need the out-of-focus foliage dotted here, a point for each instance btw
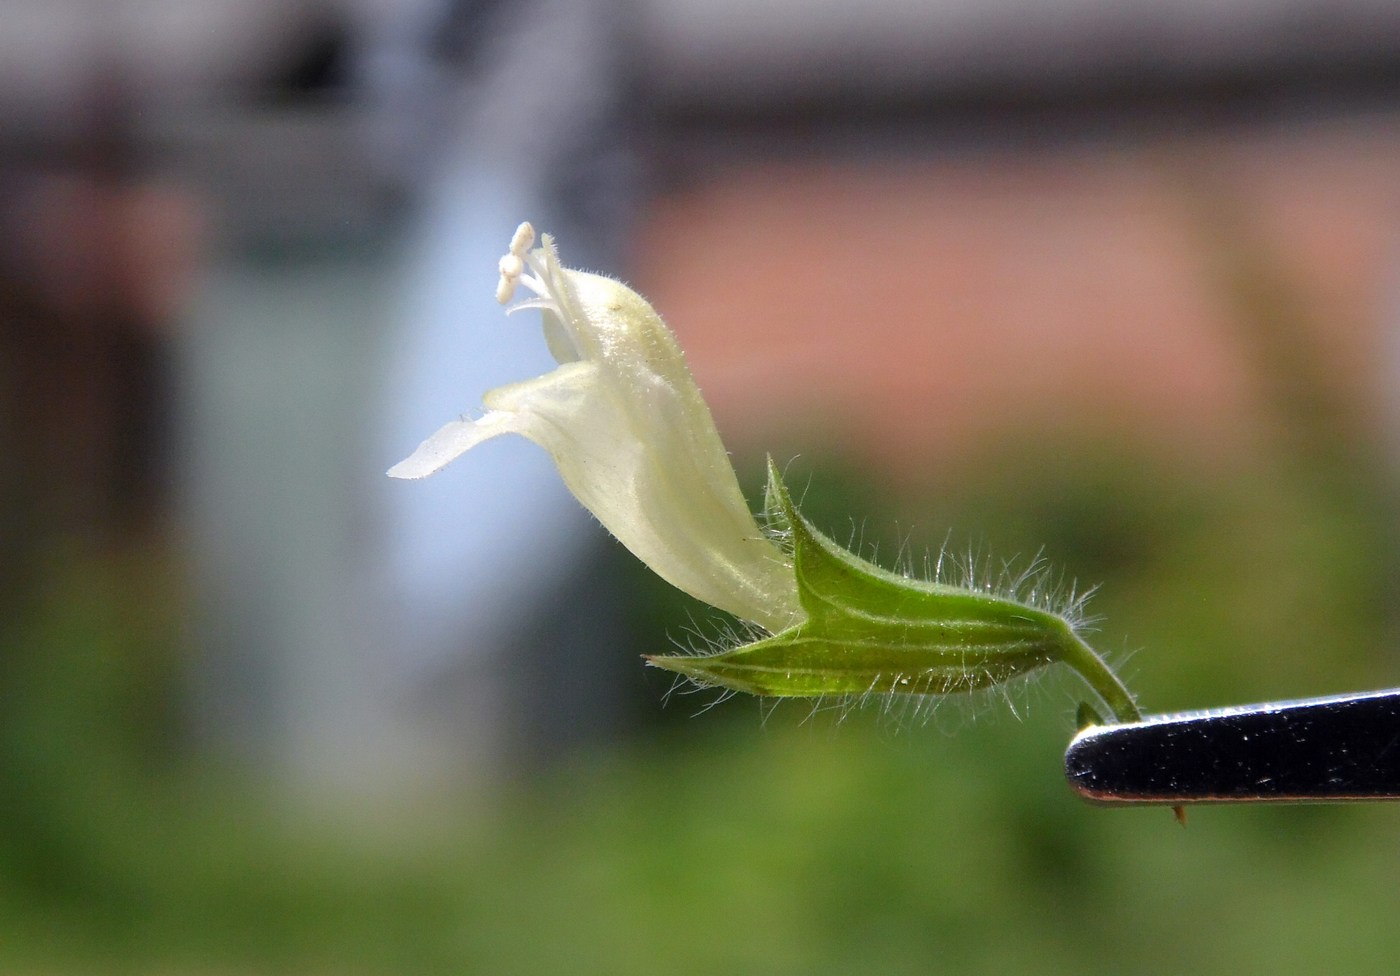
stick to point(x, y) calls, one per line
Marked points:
point(737, 842)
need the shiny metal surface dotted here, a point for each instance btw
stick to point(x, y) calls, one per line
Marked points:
point(1322, 750)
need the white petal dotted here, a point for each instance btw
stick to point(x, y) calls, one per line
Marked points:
point(449, 443)
point(633, 440)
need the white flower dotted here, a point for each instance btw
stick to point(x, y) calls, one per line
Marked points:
point(631, 436)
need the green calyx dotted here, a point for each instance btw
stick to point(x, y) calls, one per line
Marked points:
point(872, 632)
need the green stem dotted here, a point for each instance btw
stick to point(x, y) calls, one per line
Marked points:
point(1100, 677)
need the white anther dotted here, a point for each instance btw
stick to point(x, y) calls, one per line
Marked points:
point(522, 240)
point(512, 266)
point(505, 289)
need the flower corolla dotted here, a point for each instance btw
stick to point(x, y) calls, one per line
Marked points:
point(632, 438)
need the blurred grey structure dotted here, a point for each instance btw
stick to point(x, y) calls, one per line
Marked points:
point(386, 615)
point(745, 56)
point(360, 164)
point(359, 168)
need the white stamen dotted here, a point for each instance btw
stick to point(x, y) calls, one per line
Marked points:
point(547, 304)
point(512, 266)
point(522, 239)
point(536, 285)
point(505, 288)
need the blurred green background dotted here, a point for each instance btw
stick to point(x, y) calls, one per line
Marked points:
point(963, 283)
point(739, 841)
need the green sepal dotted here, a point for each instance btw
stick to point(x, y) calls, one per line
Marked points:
point(870, 631)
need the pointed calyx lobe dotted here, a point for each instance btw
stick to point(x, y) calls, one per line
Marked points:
point(872, 632)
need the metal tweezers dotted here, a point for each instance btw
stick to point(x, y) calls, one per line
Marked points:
point(1339, 749)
